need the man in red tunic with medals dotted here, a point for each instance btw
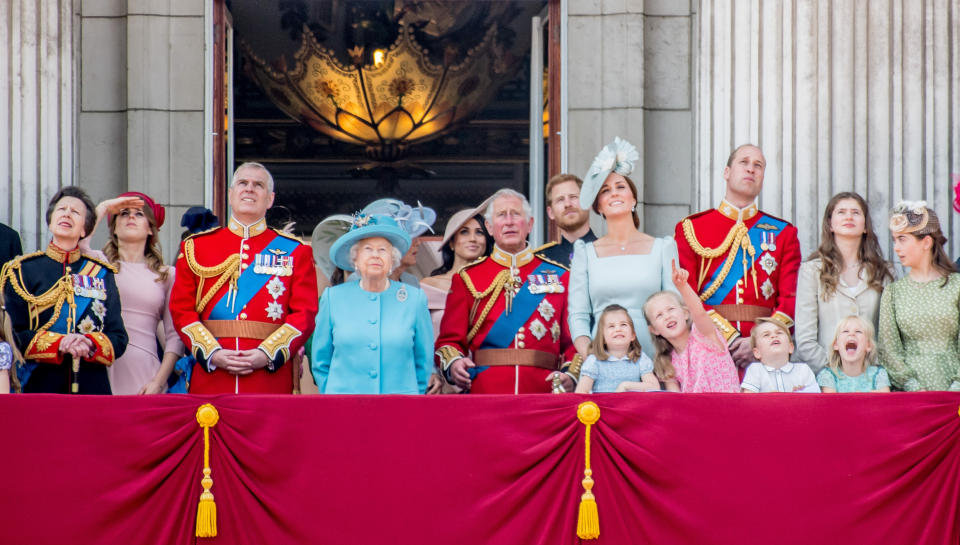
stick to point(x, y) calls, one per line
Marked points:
point(743, 262)
point(245, 296)
point(505, 329)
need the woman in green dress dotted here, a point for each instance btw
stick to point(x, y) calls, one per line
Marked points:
point(920, 313)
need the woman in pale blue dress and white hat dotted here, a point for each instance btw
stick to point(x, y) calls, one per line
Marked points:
point(373, 336)
point(625, 266)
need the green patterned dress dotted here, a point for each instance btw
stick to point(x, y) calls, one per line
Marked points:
point(918, 334)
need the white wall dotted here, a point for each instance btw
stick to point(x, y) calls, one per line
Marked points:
point(841, 95)
point(37, 105)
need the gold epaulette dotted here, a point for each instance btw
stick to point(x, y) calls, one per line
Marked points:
point(475, 262)
point(550, 261)
point(291, 236)
point(550, 244)
point(205, 232)
point(109, 266)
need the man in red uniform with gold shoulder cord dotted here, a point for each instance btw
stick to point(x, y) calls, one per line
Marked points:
point(245, 296)
point(743, 262)
point(505, 329)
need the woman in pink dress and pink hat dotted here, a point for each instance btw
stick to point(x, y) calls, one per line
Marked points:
point(144, 284)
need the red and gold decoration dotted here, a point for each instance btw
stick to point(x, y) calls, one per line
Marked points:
point(207, 417)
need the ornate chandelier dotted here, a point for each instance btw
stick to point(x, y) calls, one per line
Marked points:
point(400, 98)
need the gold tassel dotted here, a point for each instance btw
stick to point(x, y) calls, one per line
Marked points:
point(207, 417)
point(588, 519)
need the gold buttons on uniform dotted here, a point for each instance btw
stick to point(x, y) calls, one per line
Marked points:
point(244, 256)
point(520, 336)
point(243, 315)
point(520, 344)
point(246, 246)
point(243, 265)
point(740, 300)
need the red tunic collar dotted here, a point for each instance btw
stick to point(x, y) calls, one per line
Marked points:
point(247, 231)
point(513, 261)
point(731, 211)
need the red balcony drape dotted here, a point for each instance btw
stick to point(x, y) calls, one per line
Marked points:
point(669, 469)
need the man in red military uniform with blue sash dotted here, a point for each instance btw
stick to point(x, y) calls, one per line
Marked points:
point(245, 296)
point(743, 262)
point(505, 329)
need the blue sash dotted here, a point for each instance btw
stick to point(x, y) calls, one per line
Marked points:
point(24, 371)
point(250, 282)
point(524, 305)
point(736, 271)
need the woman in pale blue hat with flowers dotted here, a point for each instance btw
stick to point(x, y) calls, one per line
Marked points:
point(415, 220)
point(624, 266)
point(373, 336)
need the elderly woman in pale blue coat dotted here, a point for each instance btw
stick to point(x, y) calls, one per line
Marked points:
point(373, 336)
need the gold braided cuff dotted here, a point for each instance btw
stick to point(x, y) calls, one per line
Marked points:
point(783, 318)
point(202, 342)
point(103, 348)
point(729, 332)
point(44, 346)
point(447, 355)
point(279, 342)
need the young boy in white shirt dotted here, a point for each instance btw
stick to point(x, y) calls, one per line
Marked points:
point(774, 372)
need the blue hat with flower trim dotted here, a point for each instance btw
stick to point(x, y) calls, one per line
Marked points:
point(618, 156)
point(415, 220)
point(368, 226)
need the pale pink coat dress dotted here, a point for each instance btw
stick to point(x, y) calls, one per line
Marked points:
point(704, 367)
point(144, 303)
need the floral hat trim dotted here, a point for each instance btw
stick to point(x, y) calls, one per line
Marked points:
point(900, 221)
point(618, 156)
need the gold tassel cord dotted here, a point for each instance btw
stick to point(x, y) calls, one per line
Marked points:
point(232, 264)
point(588, 518)
point(207, 417)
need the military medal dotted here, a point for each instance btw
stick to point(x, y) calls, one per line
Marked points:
point(88, 286)
point(768, 263)
point(276, 264)
point(767, 289)
point(537, 328)
point(768, 241)
point(535, 283)
point(553, 281)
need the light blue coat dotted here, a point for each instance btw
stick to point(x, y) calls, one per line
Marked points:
point(372, 343)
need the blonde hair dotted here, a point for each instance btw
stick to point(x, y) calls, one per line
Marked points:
point(598, 345)
point(662, 359)
point(835, 361)
point(766, 320)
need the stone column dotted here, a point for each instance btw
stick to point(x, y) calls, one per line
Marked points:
point(629, 69)
point(36, 111)
point(141, 116)
point(842, 95)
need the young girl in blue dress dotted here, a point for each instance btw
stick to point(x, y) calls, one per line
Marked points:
point(616, 362)
point(852, 355)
